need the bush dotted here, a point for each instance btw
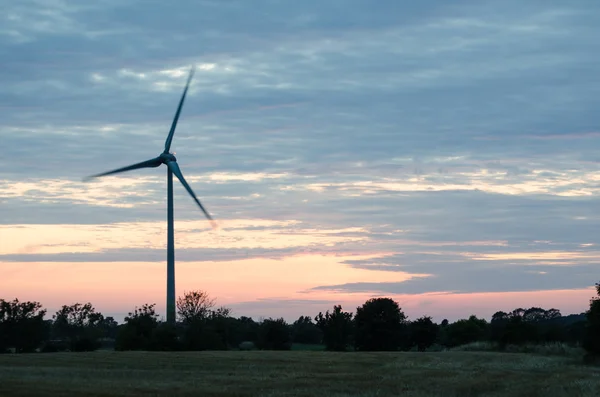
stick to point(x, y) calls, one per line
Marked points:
point(546, 349)
point(54, 346)
point(138, 330)
point(481, 346)
point(84, 345)
point(422, 333)
point(591, 342)
point(247, 345)
point(305, 331)
point(591, 359)
point(49, 348)
point(202, 335)
point(129, 339)
point(464, 332)
point(164, 338)
point(274, 335)
point(436, 347)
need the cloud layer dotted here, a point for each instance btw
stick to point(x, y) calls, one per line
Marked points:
point(454, 142)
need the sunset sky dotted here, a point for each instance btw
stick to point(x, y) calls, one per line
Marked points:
point(442, 153)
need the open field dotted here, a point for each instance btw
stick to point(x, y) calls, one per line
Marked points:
point(296, 373)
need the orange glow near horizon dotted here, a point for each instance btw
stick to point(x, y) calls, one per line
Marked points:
point(262, 285)
point(251, 286)
point(114, 284)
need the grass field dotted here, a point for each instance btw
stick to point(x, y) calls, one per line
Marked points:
point(295, 373)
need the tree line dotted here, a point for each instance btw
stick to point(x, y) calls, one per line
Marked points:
point(378, 325)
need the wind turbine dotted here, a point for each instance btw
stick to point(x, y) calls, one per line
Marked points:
point(167, 158)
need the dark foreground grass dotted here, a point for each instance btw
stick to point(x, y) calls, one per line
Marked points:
point(295, 373)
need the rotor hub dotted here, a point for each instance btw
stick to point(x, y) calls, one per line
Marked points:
point(166, 157)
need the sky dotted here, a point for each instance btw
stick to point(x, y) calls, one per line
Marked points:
point(444, 154)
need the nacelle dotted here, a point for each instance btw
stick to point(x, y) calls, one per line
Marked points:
point(165, 157)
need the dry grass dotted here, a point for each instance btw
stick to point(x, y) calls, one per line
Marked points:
point(296, 373)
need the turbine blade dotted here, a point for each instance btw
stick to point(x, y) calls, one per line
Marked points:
point(174, 167)
point(155, 162)
point(176, 118)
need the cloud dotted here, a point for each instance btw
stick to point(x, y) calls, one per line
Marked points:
point(146, 241)
point(467, 273)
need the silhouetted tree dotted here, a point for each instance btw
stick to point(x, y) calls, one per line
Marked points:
point(379, 325)
point(520, 331)
point(442, 336)
point(246, 329)
point(466, 331)
point(575, 330)
point(163, 338)
point(136, 333)
point(274, 335)
point(422, 332)
point(208, 329)
point(534, 314)
point(591, 342)
point(304, 330)
point(109, 327)
point(223, 326)
point(533, 325)
point(544, 325)
point(194, 305)
point(337, 328)
point(22, 325)
point(498, 325)
point(80, 325)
